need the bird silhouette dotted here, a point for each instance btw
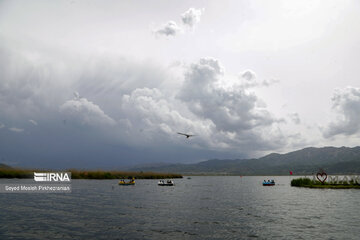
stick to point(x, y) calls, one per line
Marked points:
point(77, 96)
point(187, 135)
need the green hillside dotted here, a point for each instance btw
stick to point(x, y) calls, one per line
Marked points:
point(333, 160)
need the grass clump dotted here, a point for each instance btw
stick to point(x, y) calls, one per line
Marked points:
point(301, 182)
point(15, 173)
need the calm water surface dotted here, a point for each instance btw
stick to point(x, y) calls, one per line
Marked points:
point(196, 208)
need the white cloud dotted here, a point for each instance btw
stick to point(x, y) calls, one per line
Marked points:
point(168, 29)
point(18, 130)
point(295, 118)
point(268, 83)
point(191, 17)
point(86, 112)
point(239, 117)
point(248, 78)
point(229, 108)
point(2, 125)
point(33, 122)
point(346, 103)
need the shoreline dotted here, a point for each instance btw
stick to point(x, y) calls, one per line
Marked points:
point(88, 174)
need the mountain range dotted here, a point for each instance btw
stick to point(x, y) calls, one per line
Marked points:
point(332, 160)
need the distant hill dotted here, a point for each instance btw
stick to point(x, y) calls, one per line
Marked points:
point(333, 160)
point(3, 166)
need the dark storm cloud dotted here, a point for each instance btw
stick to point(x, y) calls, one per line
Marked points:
point(123, 104)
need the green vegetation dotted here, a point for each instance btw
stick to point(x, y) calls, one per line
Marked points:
point(77, 174)
point(15, 173)
point(307, 182)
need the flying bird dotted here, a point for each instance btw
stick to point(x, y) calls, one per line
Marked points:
point(77, 96)
point(187, 135)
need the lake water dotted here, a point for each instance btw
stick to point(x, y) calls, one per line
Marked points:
point(197, 208)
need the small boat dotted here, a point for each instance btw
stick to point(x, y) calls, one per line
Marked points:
point(123, 183)
point(166, 183)
point(268, 183)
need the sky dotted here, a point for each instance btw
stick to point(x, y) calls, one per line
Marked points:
point(108, 84)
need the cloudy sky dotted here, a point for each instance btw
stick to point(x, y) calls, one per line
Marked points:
point(107, 84)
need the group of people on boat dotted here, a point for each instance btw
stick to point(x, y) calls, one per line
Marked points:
point(269, 182)
point(122, 182)
point(165, 183)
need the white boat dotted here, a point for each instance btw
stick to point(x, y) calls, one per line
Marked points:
point(269, 183)
point(166, 183)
